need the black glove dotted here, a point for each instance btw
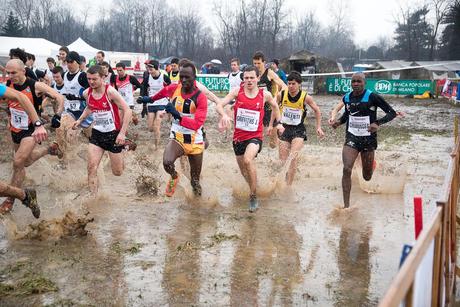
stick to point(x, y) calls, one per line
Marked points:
point(172, 110)
point(143, 99)
point(144, 111)
point(56, 121)
point(72, 97)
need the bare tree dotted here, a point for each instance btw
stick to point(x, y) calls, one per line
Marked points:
point(440, 8)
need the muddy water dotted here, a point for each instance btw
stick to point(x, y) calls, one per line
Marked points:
point(299, 248)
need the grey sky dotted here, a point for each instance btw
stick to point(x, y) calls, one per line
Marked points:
point(370, 19)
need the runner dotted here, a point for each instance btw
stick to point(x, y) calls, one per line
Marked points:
point(126, 85)
point(100, 59)
point(63, 52)
point(22, 125)
point(293, 107)
point(75, 82)
point(269, 81)
point(108, 133)
point(361, 132)
point(83, 63)
point(27, 196)
point(174, 72)
point(188, 107)
point(49, 71)
point(152, 84)
point(248, 131)
point(20, 54)
point(235, 79)
point(106, 70)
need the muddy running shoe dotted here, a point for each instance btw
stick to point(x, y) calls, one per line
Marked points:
point(196, 189)
point(6, 206)
point(253, 203)
point(54, 150)
point(31, 202)
point(171, 186)
point(130, 145)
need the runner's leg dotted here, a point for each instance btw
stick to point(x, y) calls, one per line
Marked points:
point(349, 156)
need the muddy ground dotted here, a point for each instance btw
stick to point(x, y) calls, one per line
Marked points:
point(132, 246)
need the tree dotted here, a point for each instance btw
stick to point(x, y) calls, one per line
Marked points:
point(12, 26)
point(413, 35)
point(440, 8)
point(450, 41)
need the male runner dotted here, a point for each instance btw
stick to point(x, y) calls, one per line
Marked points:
point(293, 107)
point(109, 132)
point(22, 127)
point(361, 132)
point(188, 107)
point(248, 132)
point(27, 196)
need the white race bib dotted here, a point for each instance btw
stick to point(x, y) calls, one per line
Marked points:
point(358, 125)
point(72, 105)
point(247, 120)
point(127, 94)
point(103, 121)
point(19, 119)
point(291, 116)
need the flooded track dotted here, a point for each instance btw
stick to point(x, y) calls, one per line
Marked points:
point(298, 249)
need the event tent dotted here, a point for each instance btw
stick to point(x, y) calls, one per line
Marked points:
point(40, 47)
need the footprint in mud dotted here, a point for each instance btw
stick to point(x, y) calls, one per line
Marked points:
point(69, 225)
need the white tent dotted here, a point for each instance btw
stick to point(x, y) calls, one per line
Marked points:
point(83, 48)
point(130, 59)
point(40, 47)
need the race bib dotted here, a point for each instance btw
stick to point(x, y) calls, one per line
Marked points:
point(72, 105)
point(176, 127)
point(19, 119)
point(247, 120)
point(291, 116)
point(127, 94)
point(358, 125)
point(103, 121)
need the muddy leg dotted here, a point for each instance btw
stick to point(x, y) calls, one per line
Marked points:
point(349, 156)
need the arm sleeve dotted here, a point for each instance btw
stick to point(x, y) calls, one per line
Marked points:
point(133, 80)
point(382, 104)
point(343, 119)
point(83, 80)
point(165, 92)
point(2, 89)
point(200, 114)
point(145, 84)
point(167, 80)
point(112, 81)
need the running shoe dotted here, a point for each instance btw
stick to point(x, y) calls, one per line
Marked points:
point(171, 186)
point(54, 150)
point(196, 189)
point(7, 205)
point(130, 145)
point(253, 203)
point(31, 202)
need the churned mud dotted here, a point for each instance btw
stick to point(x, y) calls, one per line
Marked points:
point(132, 246)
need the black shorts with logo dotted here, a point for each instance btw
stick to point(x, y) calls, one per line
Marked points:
point(18, 136)
point(240, 147)
point(106, 140)
point(361, 143)
point(292, 132)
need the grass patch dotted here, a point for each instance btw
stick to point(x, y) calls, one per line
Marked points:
point(29, 284)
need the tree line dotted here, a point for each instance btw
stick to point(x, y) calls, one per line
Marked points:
point(235, 29)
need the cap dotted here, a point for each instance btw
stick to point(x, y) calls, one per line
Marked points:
point(73, 56)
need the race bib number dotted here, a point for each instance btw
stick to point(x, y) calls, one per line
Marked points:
point(73, 105)
point(247, 120)
point(291, 116)
point(103, 121)
point(19, 119)
point(127, 94)
point(358, 125)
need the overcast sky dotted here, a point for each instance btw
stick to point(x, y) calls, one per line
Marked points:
point(370, 19)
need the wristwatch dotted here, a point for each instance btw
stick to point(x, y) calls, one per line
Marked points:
point(38, 123)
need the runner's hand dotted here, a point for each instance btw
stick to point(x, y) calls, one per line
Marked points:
point(120, 140)
point(331, 121)
point(334, 124)
point(224, 123)
point(320, 133)
point(373, 128)
point(56, 121)
point(76, 125)
point(280, 129)
point(40, 134)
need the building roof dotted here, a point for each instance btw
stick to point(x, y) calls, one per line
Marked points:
point(441, 66)
point(392, 64)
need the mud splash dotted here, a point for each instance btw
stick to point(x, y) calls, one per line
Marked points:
point(69, 225)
